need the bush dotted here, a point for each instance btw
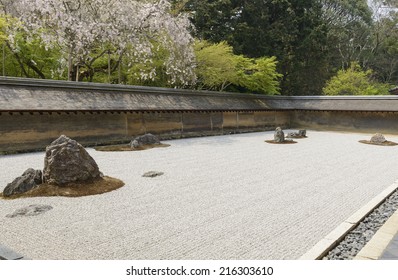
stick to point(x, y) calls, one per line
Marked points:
point(354, 81)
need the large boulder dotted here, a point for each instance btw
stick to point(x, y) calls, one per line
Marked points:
point(143, 140)
point(279, 135)
point(30, 179)
point(66, 161)
point(378, 138)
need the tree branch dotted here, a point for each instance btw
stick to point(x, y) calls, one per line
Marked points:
point(18, 58)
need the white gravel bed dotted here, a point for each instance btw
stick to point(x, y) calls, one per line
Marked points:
point(222, 197)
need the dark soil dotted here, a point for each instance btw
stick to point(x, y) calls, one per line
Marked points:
point(98, 186)
point(124, 148)
point(284, 142)
point(387, 143)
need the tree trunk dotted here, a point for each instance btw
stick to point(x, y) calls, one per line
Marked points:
point(19, 61)
point(4, 59)
point(77, 73)
point(119, 70)
point(34, 68)
point(70, 65)
point(109, 67)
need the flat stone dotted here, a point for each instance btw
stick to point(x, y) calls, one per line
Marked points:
point(300, 134)
point(292, 135)
point(152, 174)
point(31, 210)
point(8, 254)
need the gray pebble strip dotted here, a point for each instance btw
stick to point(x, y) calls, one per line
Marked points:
point(363, 233)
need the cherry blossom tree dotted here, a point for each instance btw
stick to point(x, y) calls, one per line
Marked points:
point(86, 30)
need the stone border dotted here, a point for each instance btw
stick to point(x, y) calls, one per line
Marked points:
point(332, 239)
point(8, 254)
point(374, 249)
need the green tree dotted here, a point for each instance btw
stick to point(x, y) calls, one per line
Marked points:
point(290, 30)
point(349, 24)
point(354, 81)
point(383, 55)
point(216, 65)
point(260, 75)
point(214, 20)
point(219, 69)
point(23, 57)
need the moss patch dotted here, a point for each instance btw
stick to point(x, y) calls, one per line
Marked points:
point(124, 148)
point(284, 142)
point(98, 186)
point(387, 143)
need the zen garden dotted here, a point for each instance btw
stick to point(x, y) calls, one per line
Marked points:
point(199, 130)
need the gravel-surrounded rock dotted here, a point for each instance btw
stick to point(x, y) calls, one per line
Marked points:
point(378, 138)
point(66, 161)
point(147, 139)
point(30, 179)
point(279, 135)
point(301, 133)
point(152, 174)
point(31, 210)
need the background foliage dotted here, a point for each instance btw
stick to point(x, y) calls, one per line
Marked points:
point(289, 47)
point(354, 81)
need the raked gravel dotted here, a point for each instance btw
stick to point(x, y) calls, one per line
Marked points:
point(222, 197)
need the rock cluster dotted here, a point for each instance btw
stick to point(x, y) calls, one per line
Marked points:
point(378, 138)
point(66, 161)
point(279, 135)
point(147, 139)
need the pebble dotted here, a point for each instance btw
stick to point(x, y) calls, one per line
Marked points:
point(350, 246)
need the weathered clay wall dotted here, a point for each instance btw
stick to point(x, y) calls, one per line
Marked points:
point(28, 131)
point(353, 121)
point(35, 112)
